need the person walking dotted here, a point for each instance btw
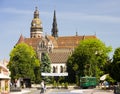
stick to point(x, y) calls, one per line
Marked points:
point(42, 87)
point(45, 87)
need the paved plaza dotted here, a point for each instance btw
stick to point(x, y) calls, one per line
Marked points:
point(65, 91)
point(81, 91)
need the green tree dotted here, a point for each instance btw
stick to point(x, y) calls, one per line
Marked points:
point(88, 59)
point(115, 65)
point(45, 66)
point(23, 62)
point(37, 74)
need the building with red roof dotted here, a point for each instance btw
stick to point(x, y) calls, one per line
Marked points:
point(59, 48)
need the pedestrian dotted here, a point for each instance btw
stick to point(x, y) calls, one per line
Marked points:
point(45, 87)
point(42, 87)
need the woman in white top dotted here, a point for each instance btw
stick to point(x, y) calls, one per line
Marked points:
point(42, 87)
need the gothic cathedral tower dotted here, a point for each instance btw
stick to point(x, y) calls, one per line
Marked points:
point(54, 26)
point(36, 29)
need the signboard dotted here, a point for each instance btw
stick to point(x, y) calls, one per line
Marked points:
point(54, 74)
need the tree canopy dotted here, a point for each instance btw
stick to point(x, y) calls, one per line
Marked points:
point(45, 65)
point(23, 61)
point(88, 59)
point(114, 67)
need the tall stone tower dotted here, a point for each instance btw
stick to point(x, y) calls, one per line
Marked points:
point(54, 26)
point(36, 29)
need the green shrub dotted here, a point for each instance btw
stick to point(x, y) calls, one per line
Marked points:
point(63, 85)
point(58, 84)
point(66, 85)
point(54, 84)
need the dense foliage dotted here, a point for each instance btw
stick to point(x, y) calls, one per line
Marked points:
point(115, 65)
point(45, 66)
point(23, 62)
point(88, 59)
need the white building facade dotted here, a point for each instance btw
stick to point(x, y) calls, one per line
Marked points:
point(4, 78)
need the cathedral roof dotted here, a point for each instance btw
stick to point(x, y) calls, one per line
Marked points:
point(33, 42)
point(65, 47)
point(61, 42)
point(60, 55)
point(51, 38)
point(71, 41)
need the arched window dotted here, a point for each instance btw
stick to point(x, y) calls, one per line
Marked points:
point(54, 70)
point(42, 44)
point(0, 70)
point(61, 69)
point(64, 69)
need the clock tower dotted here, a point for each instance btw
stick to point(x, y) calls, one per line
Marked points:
point(36, 29)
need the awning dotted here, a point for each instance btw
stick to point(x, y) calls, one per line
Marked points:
point(3, 67)
point(2, 76)
point(54, 74)
point(102, 78)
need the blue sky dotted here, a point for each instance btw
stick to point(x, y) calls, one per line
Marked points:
point(87, 17)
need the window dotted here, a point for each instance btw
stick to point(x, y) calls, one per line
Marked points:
point(54, 70)
point(0, 70)
point(61, 69)
point(42, 44)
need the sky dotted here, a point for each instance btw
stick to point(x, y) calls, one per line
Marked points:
point(87, 17)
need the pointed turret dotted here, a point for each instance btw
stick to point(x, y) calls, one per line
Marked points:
point(54, 26)
point(36, 25)
point(21, 39)
point(36, 13)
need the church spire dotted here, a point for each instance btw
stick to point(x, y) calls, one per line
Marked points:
point(54, 26)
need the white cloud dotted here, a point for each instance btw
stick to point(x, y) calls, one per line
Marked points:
point(16, 11)
point(87, 17)
point(105, 5)
point(73, 16)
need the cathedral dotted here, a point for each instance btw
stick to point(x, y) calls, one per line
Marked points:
point(59, 48)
